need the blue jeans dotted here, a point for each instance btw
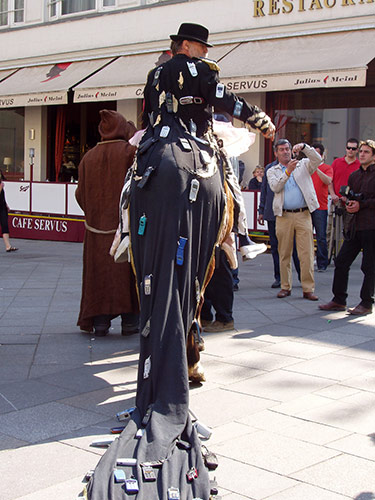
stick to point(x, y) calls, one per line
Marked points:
point(319, 219)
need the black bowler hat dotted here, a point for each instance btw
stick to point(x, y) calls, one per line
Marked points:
point(194, 32)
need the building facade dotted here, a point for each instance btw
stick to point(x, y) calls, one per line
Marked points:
point(309, 63)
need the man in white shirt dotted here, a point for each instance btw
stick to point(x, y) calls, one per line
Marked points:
point(294, 199)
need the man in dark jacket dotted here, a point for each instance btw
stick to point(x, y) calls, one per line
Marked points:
point(360, 207)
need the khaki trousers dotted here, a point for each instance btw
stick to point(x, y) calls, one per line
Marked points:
point(296, 224)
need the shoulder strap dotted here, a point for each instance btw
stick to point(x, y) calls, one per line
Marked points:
point(212, 64)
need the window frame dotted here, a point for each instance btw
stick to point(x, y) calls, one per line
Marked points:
point(10, 12)
point(99, 7)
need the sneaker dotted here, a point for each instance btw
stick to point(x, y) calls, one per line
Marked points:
point(219, 326)
point(322, 270)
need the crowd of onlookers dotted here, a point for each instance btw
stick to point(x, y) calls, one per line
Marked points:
point(295, 193)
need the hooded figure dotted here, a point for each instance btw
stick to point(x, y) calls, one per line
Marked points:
point(108, 288)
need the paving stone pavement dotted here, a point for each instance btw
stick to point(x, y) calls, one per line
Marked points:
point(290, 393)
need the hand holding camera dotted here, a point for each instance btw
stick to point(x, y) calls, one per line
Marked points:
point(351, 199)
point(291, 166)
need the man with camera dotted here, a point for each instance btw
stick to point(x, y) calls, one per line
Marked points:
point(359, 198)
point(294, 200)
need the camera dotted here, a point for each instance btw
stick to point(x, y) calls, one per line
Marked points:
point(350, 194)
point(298, 156)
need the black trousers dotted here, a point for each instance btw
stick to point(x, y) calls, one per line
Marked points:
point(363, 240)
point(219, 293)
point(4, 220)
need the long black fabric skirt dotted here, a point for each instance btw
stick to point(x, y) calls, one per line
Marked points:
point(163, 219)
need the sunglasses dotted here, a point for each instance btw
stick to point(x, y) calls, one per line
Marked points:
point(353, 149)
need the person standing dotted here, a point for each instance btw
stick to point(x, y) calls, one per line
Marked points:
point(321, 179)
point(265, 212)
point(4, 217)
point(219, 296)
point(256, 182)
point(294, 199)
point(177, 210)
point(108, 288)
point(342, 168)
point(361, 205)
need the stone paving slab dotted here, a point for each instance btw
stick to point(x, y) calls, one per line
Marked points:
point(31, 393)
point(44, 421)
point(226, 373)
point(248, 481)
point(356, 444)
point(284, 455)
point(42, 466)
point(108, 401)
point(344, 474)
point(280, 385)
point(307, 492)
point(343, 415)
point(333, 366)
point(365, 382)
point(365, 350)
point(222, 406)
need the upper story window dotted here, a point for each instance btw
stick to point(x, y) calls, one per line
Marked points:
point(65, 7)
point(11, 12)
point(61, 8)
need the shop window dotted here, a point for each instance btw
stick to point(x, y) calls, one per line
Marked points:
point(72, 131)
point(11, 12)
point(329, 116)
point(12, 143)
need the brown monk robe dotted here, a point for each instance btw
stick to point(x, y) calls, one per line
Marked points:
point(108, 288)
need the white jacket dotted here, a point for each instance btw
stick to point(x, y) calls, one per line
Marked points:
point(302, 175)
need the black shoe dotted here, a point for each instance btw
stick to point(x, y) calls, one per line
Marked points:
point(100, 331)
point(236, 287)
point(275, 284)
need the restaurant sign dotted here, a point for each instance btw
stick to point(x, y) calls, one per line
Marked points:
point(37, 227)
point(264, 8)
point(295, 81)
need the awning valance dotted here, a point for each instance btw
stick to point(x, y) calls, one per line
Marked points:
point(304, 62)
point(125, 78)
point(47, 84)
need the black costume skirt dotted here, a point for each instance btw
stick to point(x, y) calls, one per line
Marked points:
point(166, 214)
